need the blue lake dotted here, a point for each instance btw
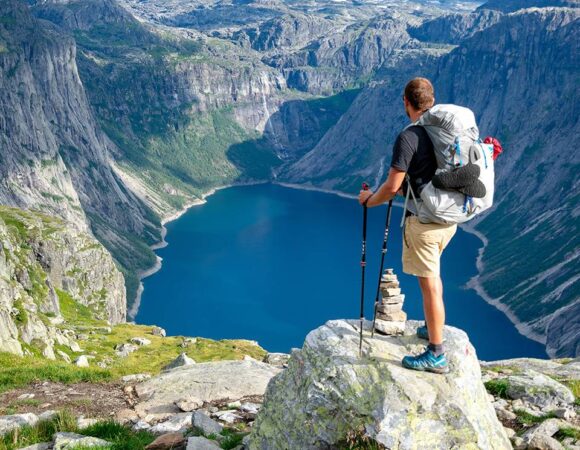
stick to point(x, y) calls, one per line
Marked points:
point(270, 264)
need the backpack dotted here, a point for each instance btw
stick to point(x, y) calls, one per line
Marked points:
point(456, 142)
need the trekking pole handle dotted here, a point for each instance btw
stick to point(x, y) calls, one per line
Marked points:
point(365, 186)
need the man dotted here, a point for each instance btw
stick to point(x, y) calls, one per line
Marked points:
point(423, 244)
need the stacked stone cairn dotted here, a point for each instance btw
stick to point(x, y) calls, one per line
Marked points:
point(390, 315)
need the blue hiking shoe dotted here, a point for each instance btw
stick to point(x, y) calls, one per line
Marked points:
point(423, 333)
point(427, 361)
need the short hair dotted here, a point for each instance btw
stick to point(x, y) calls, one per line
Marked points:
point(420, 93)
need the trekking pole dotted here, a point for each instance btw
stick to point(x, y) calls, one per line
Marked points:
point(384, 252)
point(363, 263)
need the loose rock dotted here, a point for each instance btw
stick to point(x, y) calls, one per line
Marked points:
point(158, 331)
point(65, 441)
point(201, 443)
point(82, 361)
point(181, 360)
point(189, 403)
point(177, 423)
point(277, 359)
point(9, 423)
point(169, 441)
point(539, 389)
point(141, 341)
point(205, 423)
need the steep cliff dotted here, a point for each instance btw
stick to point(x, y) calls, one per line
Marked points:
point(54, 156)
point(47, 270)
point(519, 77)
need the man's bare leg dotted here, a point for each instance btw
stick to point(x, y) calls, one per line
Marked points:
point(432, 290)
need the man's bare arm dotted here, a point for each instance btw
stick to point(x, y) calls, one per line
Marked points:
point(387, 190)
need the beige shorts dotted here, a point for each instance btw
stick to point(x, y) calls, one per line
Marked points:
point(423, 244)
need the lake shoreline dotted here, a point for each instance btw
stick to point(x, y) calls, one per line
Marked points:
point(474, 283)
point(134, 310)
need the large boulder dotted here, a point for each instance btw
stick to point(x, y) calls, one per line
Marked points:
point(207, 382)
point(329, 392)
point(539, 390)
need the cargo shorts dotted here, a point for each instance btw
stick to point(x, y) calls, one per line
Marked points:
point(423, 244)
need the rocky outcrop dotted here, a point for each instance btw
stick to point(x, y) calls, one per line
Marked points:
point(46, 270)
point(454, 28)
point(207, 382)
point(329, 393)
point(54, 156)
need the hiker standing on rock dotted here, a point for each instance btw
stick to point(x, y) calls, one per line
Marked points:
point(423, 243)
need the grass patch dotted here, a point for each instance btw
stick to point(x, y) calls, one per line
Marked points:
point(568, 432)
point(41, 432)
point(74, 312)
point(18, 371)
point(498, 388)
point(525, 418)
point(121, 437)
point(232, 439)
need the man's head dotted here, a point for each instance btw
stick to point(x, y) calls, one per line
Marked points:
point(419, 97)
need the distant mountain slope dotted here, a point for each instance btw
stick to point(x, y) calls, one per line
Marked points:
point(514, 5)
point(54, 156)
point(520, 77)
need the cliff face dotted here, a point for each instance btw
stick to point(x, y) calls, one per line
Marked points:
point(515, 75)
point(47, 269)
point(54, 156)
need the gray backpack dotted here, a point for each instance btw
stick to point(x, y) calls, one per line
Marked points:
point(456, 142)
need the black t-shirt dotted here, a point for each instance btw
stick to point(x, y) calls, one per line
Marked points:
point(413, 153)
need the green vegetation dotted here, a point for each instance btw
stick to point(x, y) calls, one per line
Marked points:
point(525, 418)
point(17, 371)
point(22, 316)
point(74, 312)
point(357, 440)
point(498, 387)
point(162, 350)
point(568, 432)
point(120, 437)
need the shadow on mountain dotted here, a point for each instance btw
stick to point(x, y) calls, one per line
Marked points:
point(291, 132)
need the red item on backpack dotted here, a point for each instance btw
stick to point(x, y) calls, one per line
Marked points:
point(497, 148)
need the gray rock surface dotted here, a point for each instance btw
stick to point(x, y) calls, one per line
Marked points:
point(201, 443)
point(328, 391)
point(177, 423)
point(180, 361)
point(220, 380)
point(201, 420)
point(59, 259)
point(11, 422)
point(539, 390)
point(68, 441)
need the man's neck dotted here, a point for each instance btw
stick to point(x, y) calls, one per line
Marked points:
point(415, 115)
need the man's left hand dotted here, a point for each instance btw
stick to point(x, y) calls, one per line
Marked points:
point(364, 195)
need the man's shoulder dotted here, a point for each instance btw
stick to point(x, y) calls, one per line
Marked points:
point(413, 131)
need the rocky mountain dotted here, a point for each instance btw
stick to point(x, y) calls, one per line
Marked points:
point(55, 158)
point(514, 102)
point(117, 115)
point(49, 270)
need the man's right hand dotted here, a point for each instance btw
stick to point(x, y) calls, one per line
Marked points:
point(363, 196)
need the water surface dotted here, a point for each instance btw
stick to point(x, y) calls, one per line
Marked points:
point(270, 263)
